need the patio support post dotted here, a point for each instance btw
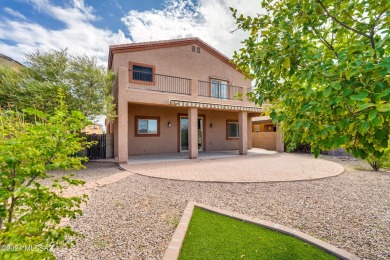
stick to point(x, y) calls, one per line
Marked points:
point(123, 117)
point(193, 132)
point(243, 132)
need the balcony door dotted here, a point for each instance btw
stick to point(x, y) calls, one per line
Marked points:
point(184, 134)
point(219, 89)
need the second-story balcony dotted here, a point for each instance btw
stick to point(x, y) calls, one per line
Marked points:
point(214, 89)
point(219, 89)
point(157, 82)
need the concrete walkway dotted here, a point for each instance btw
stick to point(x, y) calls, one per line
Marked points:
point(277, 167)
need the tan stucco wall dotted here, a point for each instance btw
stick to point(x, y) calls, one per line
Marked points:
point(216, 136)
point(265, 140)
point(249, 133)
point(109, 145)
point(116, 138)
point(167, 142)
point(182, 62)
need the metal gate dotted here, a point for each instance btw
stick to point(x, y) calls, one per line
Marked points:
point(97, 150)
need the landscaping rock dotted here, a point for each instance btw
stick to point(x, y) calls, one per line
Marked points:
point(136, 217)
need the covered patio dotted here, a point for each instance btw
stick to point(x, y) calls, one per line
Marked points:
point(183, 156)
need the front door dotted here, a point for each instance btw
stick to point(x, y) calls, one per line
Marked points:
point(184, 134)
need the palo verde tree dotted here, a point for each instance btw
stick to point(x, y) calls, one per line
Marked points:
point(29, 211)
point(324, 68)
point(86, 85)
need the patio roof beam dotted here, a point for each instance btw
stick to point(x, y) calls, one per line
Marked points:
point(187, 103)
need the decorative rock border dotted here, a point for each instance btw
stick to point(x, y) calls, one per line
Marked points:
point(173, 250)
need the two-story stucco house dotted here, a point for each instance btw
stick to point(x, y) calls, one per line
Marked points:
point(178, 96)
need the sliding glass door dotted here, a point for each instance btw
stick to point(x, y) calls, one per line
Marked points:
point(184, 134)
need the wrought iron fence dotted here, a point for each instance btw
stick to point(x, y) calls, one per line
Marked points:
point(219, 90)
point(98, 149)
point(158, 82)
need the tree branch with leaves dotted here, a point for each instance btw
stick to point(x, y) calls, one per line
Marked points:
point(324, 66)
point(86, 85)
point(30, 212)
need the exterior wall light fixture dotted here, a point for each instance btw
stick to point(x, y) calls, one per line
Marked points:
point(169, 124)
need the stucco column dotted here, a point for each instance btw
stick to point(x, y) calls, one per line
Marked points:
point(279, 140)
point(249, 133)
point(193, 132)
point(122, 117)
point(243, 132)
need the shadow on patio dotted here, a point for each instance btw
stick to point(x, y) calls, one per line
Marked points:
point(203, 155)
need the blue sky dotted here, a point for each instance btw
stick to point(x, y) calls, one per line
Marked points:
point(109, 12)
point(90, 26)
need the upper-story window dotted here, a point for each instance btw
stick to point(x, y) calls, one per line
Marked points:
point(141, 73)
point(219, 88)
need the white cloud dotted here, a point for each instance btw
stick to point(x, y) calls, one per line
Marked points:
point(14, 13)
point(78, 34)
point(210, 20)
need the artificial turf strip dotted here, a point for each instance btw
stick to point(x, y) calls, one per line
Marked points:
point(214, 236)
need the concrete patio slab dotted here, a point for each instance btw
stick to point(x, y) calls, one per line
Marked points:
point(277, 167)
point(172, 157)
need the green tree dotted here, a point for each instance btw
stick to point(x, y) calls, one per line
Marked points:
point(324, 69)
point(87, 86)
point(30, 212)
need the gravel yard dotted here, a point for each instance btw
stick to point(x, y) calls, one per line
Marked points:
point(135, 218)
point(94, 171)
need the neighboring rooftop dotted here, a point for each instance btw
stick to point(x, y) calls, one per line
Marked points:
point(261, 119)
point(129, 47)
point(8, 61)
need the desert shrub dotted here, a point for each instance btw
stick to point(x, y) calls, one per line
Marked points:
point(30, 213)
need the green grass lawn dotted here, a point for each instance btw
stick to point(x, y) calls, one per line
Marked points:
point(213, 236)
